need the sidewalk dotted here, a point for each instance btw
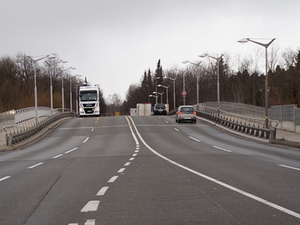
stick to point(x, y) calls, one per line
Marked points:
point(285, 138)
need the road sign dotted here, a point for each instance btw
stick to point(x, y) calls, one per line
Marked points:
point(184, 93)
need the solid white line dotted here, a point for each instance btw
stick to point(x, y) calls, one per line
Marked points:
point(127, 164)
point(38, 164)
point(91, 206)
point(273, 205)
point(290, 167)
point(176, 129)
point(55, 157)
point(90, 222)
point(121, 170)
point(223, 149)
point(86, 139)
point(5, 178)
point(113, 179)
point(71, 150)
point(102, 190)
point(137, 144)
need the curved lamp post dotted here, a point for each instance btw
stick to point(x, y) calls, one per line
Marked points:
point(245, 40)
point(35, 86)
point(218, 77)
point(174, 97)
point(195, 64)
point(158, 93)
point(167, 90)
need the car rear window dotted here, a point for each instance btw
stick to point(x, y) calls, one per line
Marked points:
point(160, 106)
point(187, 109)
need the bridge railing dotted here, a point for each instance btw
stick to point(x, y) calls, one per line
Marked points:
point(28, 125)
point(245, 124)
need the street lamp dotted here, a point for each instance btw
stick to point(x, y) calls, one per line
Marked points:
point(195, 64)
point(266, 45)
point(167, 90)
point(35, 86)
point(183, 87)
point(62, 87)
point(174, 97)
point(158, 93)
point(218, 77)
point(156, 78)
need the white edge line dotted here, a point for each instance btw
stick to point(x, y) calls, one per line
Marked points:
point(273, 205)
point(289, 167)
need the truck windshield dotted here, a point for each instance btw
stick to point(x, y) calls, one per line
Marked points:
point(88, 95)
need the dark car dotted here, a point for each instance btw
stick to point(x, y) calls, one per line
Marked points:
point(160, 109)
point(186, 113)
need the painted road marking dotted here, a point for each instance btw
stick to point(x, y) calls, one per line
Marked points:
point(55, 157)
point(38, 164)
point(5, 178)
point(223, 149)
point(127, 164)
point(230, 187)
point(113, 179)
point(90, 222)
point(71, 150)
point(176, 129)
point(195, 139)
point(289, 167)
point(132, 158)
point(102, 190)
point(86, 140)
point(121, 170)
point(91, 206)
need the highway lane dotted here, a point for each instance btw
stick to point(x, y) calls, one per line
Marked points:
point(99, 171)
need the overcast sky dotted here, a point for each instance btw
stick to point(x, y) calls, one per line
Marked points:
point(112, 42)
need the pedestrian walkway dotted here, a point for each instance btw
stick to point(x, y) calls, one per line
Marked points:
point(286, 138)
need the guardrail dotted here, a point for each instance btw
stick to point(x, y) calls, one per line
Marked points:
point(21, 131)
point(243, 124)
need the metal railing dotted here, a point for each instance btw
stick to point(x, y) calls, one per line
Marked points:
point(28, 125)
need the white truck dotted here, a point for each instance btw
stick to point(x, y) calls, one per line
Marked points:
point(89, 101)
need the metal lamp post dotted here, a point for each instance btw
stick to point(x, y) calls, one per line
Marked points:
point(245, 40)
point(174, 97)
point(158, 93)
point(167, 90)
point(62, 88)
point(35, 85)
point(218, 77)
point(195, 64)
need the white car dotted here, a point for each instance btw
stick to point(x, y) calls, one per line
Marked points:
point(186, 113)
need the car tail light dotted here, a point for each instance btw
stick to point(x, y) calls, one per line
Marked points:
point(179, 112)
point(195, 113)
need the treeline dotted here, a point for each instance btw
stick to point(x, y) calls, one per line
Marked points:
point(17, 83)
point(242, 86)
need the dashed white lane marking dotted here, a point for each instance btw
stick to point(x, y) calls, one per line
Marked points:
point(289, 167)
point(254, 197)
point(5, 178)
point(113, 179)
point(121, 170)
point(136, 151)
point(102, 190)
point(132, 158)
point(166, 121)
point(38, 164)
point(55, 157)
point(127, 164)
point(91, 206)
point(71, 150)
point(133, 155)
point(90, 222)
point(92, 129)
point(223, 149)
point(176, 129)
point(195, 139)
point(86, 140)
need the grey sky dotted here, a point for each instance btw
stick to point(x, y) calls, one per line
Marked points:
point(117, 40)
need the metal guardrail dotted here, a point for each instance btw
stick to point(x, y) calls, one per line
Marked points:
point(243, 124)
point(21, 131)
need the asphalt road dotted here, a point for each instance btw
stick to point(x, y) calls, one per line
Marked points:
point(148, 170)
